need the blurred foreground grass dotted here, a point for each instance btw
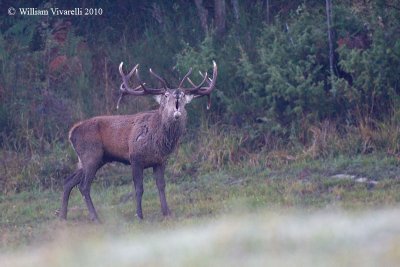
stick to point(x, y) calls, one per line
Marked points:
point(332, 212)
point(273, 238)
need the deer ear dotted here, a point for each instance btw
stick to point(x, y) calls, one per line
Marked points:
point(158, 98)
point(188, 98)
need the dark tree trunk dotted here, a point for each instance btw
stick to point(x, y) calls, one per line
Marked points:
point(220, 16)
point(203, 15)
point(235, 6)
point(330, 40)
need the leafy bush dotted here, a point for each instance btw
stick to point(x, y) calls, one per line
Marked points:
point(274, 88)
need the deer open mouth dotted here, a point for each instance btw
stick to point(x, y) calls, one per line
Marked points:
point(177, 115)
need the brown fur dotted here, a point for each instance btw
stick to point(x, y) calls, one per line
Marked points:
point(142, 140)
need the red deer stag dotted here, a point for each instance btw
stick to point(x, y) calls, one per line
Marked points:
point(142, 140)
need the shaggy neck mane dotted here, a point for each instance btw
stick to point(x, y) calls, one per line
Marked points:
point(169, 135)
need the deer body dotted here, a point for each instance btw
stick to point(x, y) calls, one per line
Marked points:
point(142, 140)
point(123, 138)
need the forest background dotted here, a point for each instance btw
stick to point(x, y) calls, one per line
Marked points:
point(296, 163)
point(290, 87)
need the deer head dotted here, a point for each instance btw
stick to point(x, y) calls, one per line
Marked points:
point(172, 100)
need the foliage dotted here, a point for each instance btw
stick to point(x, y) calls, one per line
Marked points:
point(287, 78)
point(374, 91)
point(273, 90)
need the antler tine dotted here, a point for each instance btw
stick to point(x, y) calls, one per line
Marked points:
point(208, 80)
point(163, 81)
point(202, 75)
point(125, 88)
point(191, 82)
point(184, 78)
point(200, 90)
point(124, 92)
point(140, 81)
point(119, 99)
point(196, 87)
point(126, 77)
point(211, 82)
point(132, 71)
point(149, 91)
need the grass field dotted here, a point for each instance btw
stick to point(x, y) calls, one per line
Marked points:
point(334, 212)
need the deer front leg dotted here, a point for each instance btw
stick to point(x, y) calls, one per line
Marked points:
point(159, 176)
point(137, 173)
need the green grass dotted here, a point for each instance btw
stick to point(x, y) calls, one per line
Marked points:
point(219, 202)
point(276, 238)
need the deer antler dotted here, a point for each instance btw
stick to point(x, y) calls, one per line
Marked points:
point(162, 80)
point(197, 90)
point(201, 90)
point(185, 77)
point(127, 90)
point(196, 87)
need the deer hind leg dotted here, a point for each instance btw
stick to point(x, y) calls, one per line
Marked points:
point(160, 182)
point(137, 173)
point(85, 186)
point(69, 182)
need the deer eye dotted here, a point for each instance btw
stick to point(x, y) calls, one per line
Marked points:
point(166, 94)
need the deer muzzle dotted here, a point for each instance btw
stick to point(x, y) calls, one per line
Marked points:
point(177, 114)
